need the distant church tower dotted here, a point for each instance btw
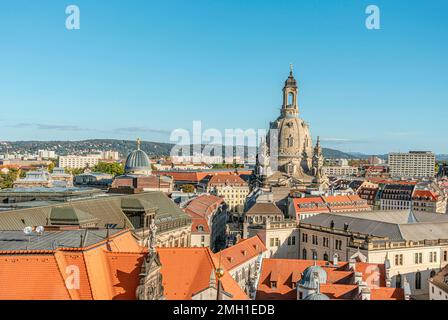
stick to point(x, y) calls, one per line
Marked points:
point(318, 162)
point(295, 149)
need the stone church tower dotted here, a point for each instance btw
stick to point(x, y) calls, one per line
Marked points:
point(295, 147)
point(150, 287)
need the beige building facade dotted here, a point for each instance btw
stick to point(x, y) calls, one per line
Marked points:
point(340, 171)
point(281, 238)
point(414, 245)
point(232, 188)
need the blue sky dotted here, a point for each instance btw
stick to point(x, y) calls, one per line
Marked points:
point(144, 68)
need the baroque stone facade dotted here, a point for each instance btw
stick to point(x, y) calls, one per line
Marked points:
point(151, 287)
point(289, 147)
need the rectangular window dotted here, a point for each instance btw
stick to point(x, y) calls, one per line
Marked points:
point(293, 241)
point(433, 256)
point(399, 260)
point(272, 242)
point(338, 244)
point(418, 258)
point(304, 237)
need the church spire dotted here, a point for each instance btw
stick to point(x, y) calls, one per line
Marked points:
point(290, 105)
point(138, 143)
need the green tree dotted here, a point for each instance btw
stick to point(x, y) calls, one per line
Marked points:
point(188, 188)
point(112, 168)
point(7, 180)
point(51, 166)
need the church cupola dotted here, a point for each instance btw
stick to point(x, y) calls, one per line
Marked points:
point(290, 91)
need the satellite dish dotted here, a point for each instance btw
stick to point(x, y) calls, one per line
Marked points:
point(40, 229)
point(28, 230)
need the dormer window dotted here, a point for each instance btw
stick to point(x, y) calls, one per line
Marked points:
point(273, 284)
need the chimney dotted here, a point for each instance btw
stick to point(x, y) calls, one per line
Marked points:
point(387, 271)
point(407, 288)
point(352, 264)
point(335, 260)
point(365, 292)
point(358, 278)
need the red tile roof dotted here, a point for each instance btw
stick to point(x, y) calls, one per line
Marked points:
point(226, 179)
point(425, 195)
point(204, 205)
point(180, 176)
point(196, 176)
point(346, 203)
point(186, 271)
point(104, 272)
point(198, 221)
point(318, 204)
point(243, 251)
point(200, 210)
point(339, 284)
point(310, 205)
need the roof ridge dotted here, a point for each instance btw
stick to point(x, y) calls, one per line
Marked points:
point(62, 275)
point(87, 274)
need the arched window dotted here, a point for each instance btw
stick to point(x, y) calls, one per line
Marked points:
point(314, 255)
point(398, 281)
point(290, 99)
point(418, 280)
point(325, 257)
point(290, 141)
point(432, 274)
point(304, 254)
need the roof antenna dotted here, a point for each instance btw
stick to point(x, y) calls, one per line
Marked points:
point(81, 242)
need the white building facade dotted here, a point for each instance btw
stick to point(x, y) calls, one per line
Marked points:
point(415, 164)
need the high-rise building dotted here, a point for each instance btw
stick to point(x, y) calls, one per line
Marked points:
point(415, 164)
point(46, 154)
point(79, 162)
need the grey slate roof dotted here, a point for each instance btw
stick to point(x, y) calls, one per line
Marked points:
point(51, 240)
point(387, 224)
point(106, 209)
point(70, 216)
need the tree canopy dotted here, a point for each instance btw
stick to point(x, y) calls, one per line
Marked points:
point(112, 168)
